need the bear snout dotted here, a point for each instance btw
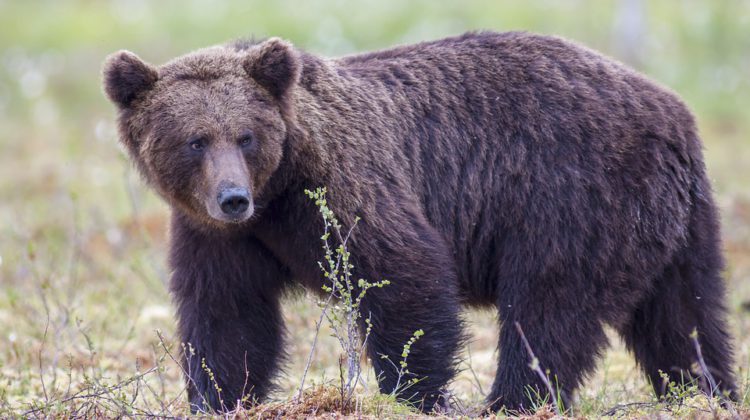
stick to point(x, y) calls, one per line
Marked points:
point(234, 201)
point(230, 203)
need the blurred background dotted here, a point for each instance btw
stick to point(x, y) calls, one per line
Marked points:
point(82, 267)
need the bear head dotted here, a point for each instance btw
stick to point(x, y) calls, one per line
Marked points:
point(207, 130)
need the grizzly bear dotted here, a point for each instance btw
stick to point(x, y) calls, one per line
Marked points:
point(511, 170)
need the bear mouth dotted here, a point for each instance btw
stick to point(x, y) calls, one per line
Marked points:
point(232, 218)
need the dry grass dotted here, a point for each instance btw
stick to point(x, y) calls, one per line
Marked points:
point(82, 241)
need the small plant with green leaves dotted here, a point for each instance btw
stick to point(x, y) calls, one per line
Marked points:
point(677, 391)
point(212, 378)
point(344, 297)
point(403, 367)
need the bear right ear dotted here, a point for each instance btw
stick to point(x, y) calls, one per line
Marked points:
point(126, 76)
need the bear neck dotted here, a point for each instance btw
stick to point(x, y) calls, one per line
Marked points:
point(331, 116)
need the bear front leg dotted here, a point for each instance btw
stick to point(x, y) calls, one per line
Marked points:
point(229, 318)
point(422, 295)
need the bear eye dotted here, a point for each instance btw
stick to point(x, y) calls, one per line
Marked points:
point(197, 144)
point(245, 140)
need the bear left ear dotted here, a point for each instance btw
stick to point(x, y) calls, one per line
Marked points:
point(275, 65)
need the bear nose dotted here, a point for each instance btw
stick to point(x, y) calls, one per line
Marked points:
point(234, 201)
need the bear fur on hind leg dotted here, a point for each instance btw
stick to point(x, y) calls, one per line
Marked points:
point(512, 169)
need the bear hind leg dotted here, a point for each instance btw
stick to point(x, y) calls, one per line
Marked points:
point(688, 296)
point(659, 334)
point(566, 339)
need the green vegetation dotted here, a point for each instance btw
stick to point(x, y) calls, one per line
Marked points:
point(342, 305)
point(82, 241)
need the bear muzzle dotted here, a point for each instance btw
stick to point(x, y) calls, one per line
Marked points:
point(234, 201)
point(233, 204)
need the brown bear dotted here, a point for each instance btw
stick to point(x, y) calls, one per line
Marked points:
point(511, 170)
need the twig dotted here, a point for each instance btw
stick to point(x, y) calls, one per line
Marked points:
point(181, 365)
point(161, 396)
point(240, 402)
point(97, 375)
point(314, 344)
point(83, 394)
point(362, 350)
point(624, 407)
point(41, 367)
point(534, 365)
point(473, 373)
point(713, 388)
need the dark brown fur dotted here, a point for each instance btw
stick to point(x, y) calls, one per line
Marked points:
point(509, 170)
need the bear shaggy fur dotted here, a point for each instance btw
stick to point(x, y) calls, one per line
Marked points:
point(510, 170)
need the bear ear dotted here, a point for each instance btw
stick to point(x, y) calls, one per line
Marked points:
point(126, 76)
point(275, 65)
